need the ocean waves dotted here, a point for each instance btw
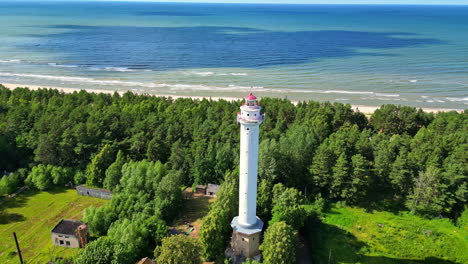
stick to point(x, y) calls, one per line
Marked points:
point(95, 68)
point(209, 73)
point(186, 87)
point(10, 61)
point(90, 67)
point(120, 83)
point(222, 88)
point(462, 99)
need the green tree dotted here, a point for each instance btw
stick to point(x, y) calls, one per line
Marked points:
point(40, 177)
point(401, 174)
point(216, 229)
point(338, 188)
point(250, 261)
point(279, 244)
point(462, 220)
point(321, 168)
point(79, 177)
point(98, 219)
point(9, 183)
point(360, 178)
point(179, 249)
point(392, 119)
point(288, 207)
point(104, 250)
point(114, 172)
point(47, 150)
point(169, 196)
point(96, 170)
point(156, 149)
point(61, 176)
point(427, 196)
point(264, 199)
point(140, 235)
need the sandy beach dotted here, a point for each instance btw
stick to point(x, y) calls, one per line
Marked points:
point(362, 108)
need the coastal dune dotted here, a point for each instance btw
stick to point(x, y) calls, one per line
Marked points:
point(361, 108)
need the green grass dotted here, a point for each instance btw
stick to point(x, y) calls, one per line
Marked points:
point(195, 208)
point(352, 235)
point(32, 215)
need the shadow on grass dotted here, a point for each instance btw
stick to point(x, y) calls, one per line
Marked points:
point(332, 245)
point(57, 190)
point(20, 201)
point(195, 208)
point(6, 218)
point(380, 200)
point(15, 202)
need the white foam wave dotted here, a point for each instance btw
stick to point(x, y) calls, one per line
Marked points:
point(203, 73)
point(10, 61)
point(53, 64)
point(208, 73)
point(112, 69)
point(345, 92)
point(387, 95)
point(413, 81)
point(81, 80)
point(174, 87)
point(382, 99)
point(453, 99)
point(143, 86)
point(115, 69)
point(360, 92)
point(235, 74)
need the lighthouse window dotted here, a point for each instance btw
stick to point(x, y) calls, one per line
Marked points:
point(248, 114)
point(248, 128)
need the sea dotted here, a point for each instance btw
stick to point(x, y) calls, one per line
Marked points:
point(357, 54)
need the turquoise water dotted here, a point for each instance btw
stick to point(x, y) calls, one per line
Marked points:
point(364, 55)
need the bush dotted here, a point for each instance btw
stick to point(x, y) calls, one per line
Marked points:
point(462, 221)
point(279, 245)
point(9, 183)
point(179, 249)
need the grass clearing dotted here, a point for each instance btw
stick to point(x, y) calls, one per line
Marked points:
point(32, 215)
point(352, 235)
point(196, 206)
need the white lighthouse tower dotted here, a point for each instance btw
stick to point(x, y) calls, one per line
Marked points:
point(247, 227)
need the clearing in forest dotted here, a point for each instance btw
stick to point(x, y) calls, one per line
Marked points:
point(32, 215)
point(353, 235)
point(196, 206)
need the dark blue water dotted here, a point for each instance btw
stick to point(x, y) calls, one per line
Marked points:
point(368, 55)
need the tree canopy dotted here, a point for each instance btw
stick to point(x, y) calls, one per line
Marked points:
point(178, 249)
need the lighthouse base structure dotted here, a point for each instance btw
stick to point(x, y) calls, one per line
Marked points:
point(245, 242)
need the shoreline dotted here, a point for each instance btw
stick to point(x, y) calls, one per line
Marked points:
point(368, 110)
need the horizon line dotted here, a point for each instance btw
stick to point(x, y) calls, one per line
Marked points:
point(253, 3)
